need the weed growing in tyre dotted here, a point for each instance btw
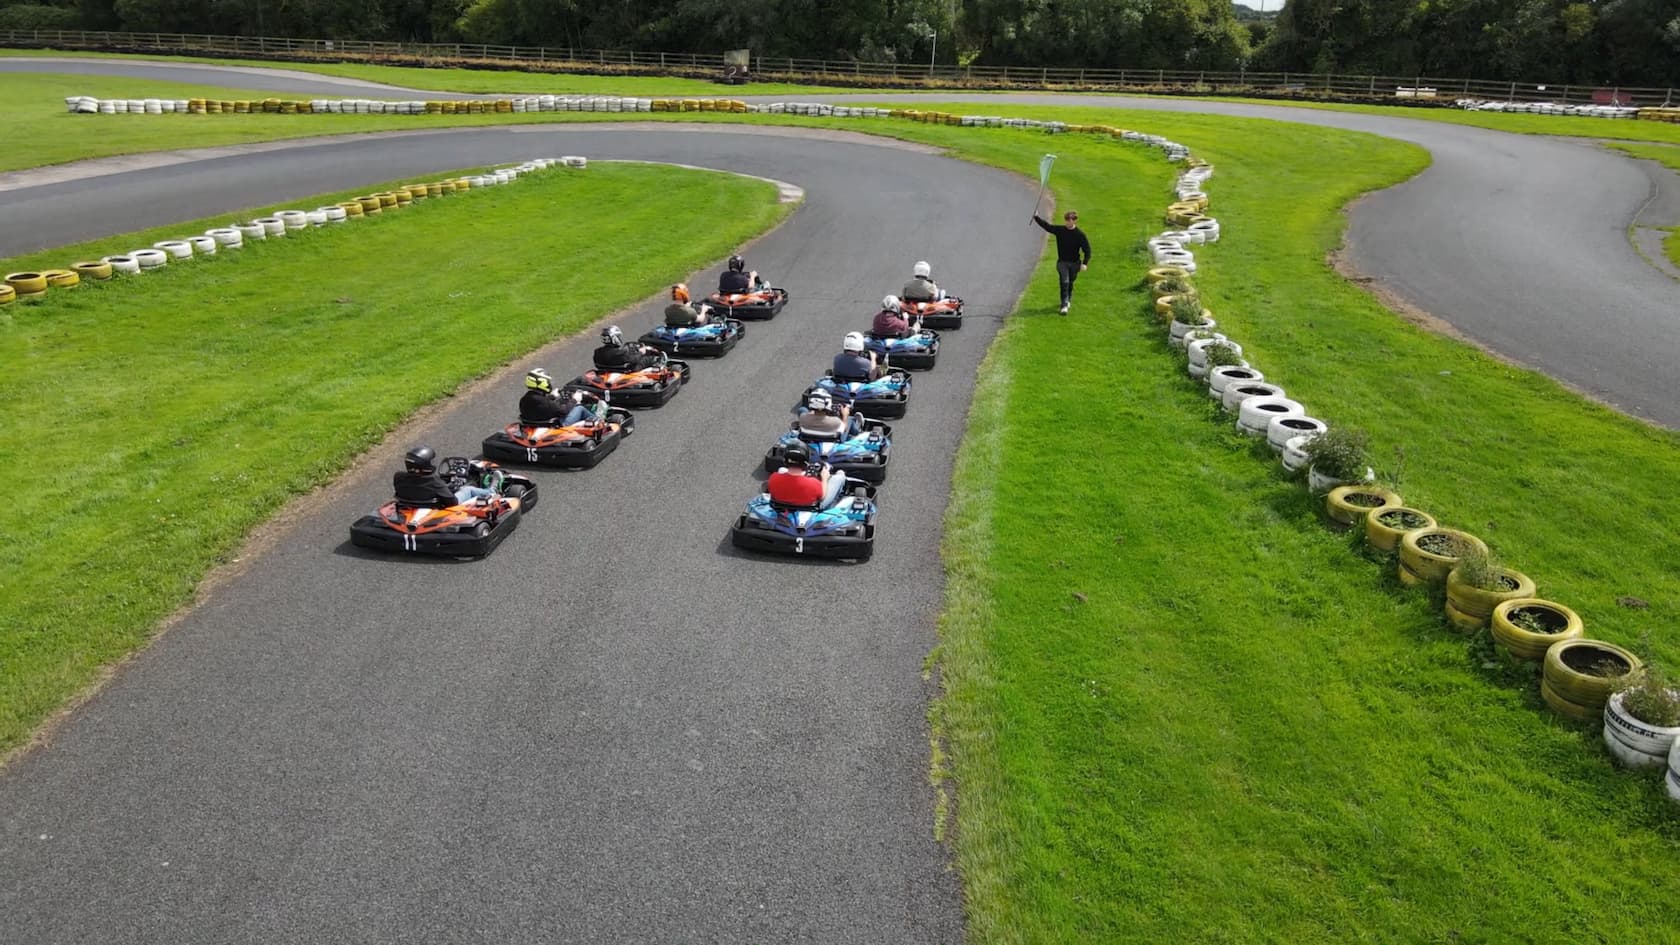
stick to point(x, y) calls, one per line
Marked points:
point(1447, 546)
point(1537, 620)
point(1649, 693)
point(1221, 355)
point(1187, 310)
point(1175, 286)
point(1479, 569)
point(1402, 519)
point(1340, 453)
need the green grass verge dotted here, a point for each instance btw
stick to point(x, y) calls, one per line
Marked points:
point(1178, 708)
point(1669, 156)
point(174, 412)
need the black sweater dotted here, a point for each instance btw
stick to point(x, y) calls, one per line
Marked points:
point(1070, 242)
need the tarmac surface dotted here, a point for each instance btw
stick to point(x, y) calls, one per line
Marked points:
point(617, 729)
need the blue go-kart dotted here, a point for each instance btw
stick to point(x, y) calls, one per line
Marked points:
point(885, 398)
point(916, 352)
point(845, 529)
point(861, 451)
point(714, 339)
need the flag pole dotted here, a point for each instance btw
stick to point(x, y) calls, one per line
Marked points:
point(1043, 180)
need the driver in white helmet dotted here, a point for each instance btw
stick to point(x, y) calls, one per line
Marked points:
point(853, 363)
point(921, 287)
point(822, 418)
point(890, 321)
point(624, 357)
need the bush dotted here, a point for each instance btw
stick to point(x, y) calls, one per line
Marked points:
point(1340, 453)
point(1221, 355)
point(32, 16)
point(1187, 310)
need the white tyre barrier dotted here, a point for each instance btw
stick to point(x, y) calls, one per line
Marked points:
point(1294, 453)
point(1645, 745)
point(1255, 414)
point(1283, 429)
point(334, 214)
point(573, 160)
point(151, 106)
point(251, 231)
point(293, 219)
point(226, 236)
point(1672, 780)
point(1235, 394)
point(1176, 330)
point(150, 258)
point(137, 106)
point(107, 108)
point(203, 245)
point(1222, 377)
point(180, 249)
point(1197, 350)
point(123, 263)
point(1206, 230)
point(272, 226)
point(316, 217)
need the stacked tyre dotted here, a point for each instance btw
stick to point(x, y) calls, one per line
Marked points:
point(1579, 674)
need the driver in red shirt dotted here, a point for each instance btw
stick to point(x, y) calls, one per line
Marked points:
point(803, 483)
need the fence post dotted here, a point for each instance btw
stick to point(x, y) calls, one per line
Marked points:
point(1373, 92)
point(1566, 95)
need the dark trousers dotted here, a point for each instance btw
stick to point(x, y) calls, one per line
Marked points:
point(1067, 272)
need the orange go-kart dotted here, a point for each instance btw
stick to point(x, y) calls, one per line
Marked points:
point(649, 387)
point(762, 303)
point(575, 446)
point(469, 530)
point(945, 313)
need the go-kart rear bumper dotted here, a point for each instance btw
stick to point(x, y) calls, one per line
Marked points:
point(753, 537)
point(371, 531)
point(580, 454)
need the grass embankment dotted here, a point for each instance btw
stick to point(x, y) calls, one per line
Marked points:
point(1180, 708)
point(469, 81)
point(173, 412)
point(1668, 155)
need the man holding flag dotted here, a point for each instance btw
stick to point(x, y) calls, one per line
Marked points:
point(1073, 248)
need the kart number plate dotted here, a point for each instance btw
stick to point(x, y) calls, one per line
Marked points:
point(799, 546)
point(531, 454)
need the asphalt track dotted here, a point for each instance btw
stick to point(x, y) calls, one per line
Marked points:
point(615, 729)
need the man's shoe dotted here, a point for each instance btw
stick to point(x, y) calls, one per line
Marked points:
point(1064, 308)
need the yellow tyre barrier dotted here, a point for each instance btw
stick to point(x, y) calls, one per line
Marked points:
point(1348, 505)
point(1527, 627)
point(1428, 554)
point(93, 270)
point(288, 108)
point(404, 198)
point(504, 106)
point(707, 105)
point(386, 199)
point(438, 190)
point(1385, 527)
point(1565, 707)
point(7, 294)
point(27, 283)
point(1580, 672)
point(370, 204)
point(62, 278)
point(351, 208)
point(414, 191)
point(1162, 272)
point(1470, 608)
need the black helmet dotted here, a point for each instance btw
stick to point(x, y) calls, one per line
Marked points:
point(421, 459)
point(797, 454)
point(737, 264)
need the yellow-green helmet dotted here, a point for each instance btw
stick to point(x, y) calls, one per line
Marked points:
point(539, 380)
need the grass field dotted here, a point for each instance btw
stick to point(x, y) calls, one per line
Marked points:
point(1178, 709)
point(1668, 155)
point(175, 411)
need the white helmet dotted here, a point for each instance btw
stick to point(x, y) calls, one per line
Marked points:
point(819, 400)
point(612, 336)
point(853, 342)
point(891, 304)
point(922, 270)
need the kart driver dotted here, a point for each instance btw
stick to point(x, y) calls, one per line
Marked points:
point(853, 363)
point(682, 313)
point(822, 419)
point(420, 484)
point(804, 482)
point(736, 280)
point(890, 321)
point(921, 287)
point(543, 406)
point(622, 357)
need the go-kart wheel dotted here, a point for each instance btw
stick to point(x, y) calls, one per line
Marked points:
point(515, 490)
point(481, 530)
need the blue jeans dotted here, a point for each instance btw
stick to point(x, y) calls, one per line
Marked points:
point(466, 494)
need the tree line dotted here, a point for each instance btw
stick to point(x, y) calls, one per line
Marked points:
point(1625, 42)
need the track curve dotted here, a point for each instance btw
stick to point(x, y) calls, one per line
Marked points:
point(1520, 242)
point(614, 729)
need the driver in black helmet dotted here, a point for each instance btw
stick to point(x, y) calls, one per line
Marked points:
point(419, 482)
point(736, 280)
point(624, 357)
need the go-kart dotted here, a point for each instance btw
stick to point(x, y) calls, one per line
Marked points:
point(574, 446)
point(917, 352)
point(861, 451)
point(845, 529)
point(945, 313)
point(470, 530)
point(885, 398)
point(650, 387)
point(711, 340)
point(763, 302)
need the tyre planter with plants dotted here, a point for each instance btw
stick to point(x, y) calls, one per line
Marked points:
point(1477, 586)
point(1283, 429)
point(1579, 676)
point(1196, 355)
point(1337, 457)
point(1225, 375)
point(1255, 415)
point(1634, 740)
point(1428, 555)
point(1235, 394)
point(1526, 627)
point(1347, 506)
point(1160, 273)
point(1671, 781)
point(1384, 527)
